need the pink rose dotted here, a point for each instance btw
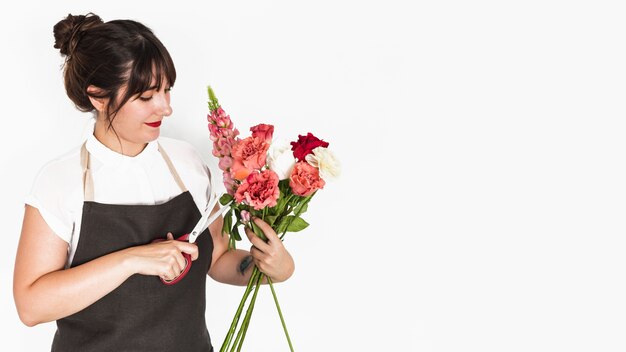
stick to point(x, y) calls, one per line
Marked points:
point(305, 145)
point(305, 179)
point(259, 190)
point(263, 131)
point(248, 155)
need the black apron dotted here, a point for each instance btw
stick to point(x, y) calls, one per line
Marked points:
point(142, 314)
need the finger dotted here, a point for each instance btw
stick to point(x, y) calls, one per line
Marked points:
point(174, 263)
point(256, 241)
point(189, 248)
point(170, 236)
point(257, 255)
point(267, 230)
point(181, 263)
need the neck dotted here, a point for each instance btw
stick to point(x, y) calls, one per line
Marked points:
point(107, 137)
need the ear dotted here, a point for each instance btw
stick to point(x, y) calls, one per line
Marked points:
point(98, 103)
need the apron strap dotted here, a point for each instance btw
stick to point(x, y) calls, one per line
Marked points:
point(173, 171)
point(88, 180)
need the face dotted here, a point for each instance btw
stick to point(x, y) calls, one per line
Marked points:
point(138, 121)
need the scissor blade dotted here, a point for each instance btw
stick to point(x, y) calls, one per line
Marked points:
point(206, 221)
point(202, 223)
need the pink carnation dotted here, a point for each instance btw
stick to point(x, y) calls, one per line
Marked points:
point(263, 131)
point(248, 155)
point(259, 190)
point(305, 179)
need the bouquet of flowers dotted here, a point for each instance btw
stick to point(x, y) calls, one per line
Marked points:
point(268, 179)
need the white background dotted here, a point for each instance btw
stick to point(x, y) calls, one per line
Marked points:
point(481, 205)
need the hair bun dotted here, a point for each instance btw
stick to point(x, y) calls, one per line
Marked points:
point(68, 31)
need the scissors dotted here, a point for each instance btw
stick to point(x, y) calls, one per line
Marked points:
point(204, 222)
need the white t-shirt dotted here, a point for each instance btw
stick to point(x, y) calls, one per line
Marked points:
point(117, 179)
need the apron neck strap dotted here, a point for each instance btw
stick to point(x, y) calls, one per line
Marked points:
point(88, 180)
point(173, 171)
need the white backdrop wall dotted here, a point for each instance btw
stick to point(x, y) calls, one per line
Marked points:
point(481, 205)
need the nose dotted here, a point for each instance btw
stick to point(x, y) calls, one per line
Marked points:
point(163, 102)
point(167, 111)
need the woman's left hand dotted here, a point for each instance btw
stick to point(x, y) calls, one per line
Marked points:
point(271, 257)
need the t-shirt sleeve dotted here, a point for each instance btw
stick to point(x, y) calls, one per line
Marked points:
point(47, 196)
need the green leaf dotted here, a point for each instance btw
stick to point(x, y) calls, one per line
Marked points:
point(283, 185)
point(226, 223)
point(225, 198)
point(281, 227)
point(291, 223)
point(280, 205)
point(298, 224)
point(228, 219)
point(302, 207)
point(270, 219)
point(235, 232)
point(258, 231)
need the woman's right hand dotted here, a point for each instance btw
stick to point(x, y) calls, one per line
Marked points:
point(164, 258)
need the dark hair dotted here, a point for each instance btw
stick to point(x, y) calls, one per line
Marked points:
point(109, 55)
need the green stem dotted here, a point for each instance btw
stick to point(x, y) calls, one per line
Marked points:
point(233, 325)
point(246, 320)
point(280, 313)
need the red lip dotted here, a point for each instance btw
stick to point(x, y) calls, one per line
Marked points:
point(154, 124)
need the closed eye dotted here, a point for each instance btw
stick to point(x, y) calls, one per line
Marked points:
point(148, 98)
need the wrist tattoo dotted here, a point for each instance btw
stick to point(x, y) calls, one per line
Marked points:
point(245, 263)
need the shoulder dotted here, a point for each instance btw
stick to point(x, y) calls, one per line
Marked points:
point(57, 192)
point(62, 172)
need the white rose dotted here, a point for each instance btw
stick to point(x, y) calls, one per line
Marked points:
point(323, 159)
point(280, 159)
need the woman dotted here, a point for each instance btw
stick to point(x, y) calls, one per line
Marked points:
point(86, 256)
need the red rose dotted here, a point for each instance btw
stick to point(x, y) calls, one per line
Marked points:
point(305, 145)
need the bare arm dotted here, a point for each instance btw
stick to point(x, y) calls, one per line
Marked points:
point(235, 266)
point(44, 291)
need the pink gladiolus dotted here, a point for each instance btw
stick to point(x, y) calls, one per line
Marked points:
point(229, 183)
point(222, 132)
point(225, 163)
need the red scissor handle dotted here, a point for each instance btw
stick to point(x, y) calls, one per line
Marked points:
point(184, 237)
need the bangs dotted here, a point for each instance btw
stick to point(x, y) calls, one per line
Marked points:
point(152, 67)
